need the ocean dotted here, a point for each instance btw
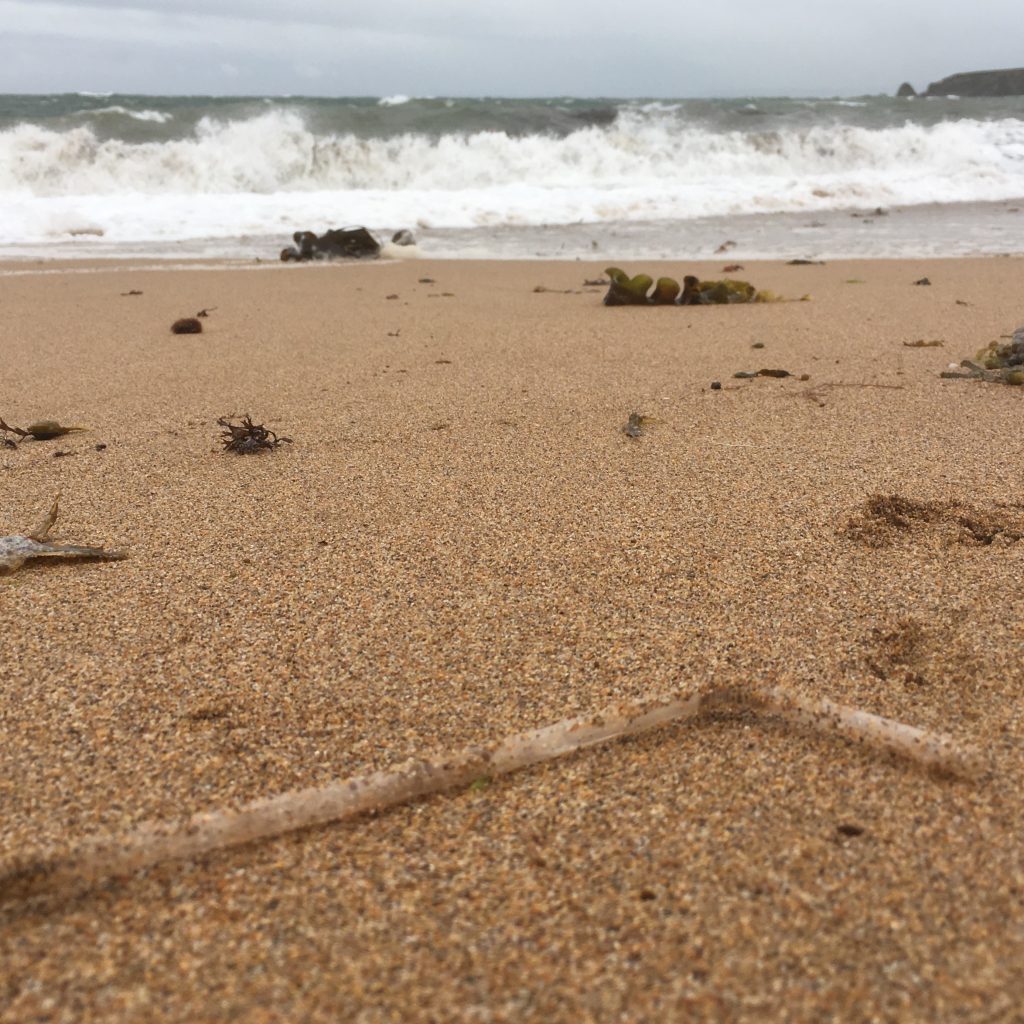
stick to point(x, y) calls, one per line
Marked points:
point(87, 175)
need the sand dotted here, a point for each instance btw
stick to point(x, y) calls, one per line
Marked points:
point(462, 542)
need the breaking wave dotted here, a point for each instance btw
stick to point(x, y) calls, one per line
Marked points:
point(258, 173)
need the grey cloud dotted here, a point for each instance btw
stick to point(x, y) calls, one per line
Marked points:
point(582, 47)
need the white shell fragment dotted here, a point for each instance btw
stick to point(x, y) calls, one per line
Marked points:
point(18, 548)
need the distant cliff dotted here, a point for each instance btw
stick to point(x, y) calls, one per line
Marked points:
point(1008, 82)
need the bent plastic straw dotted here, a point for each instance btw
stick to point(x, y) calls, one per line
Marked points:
point(102, 857)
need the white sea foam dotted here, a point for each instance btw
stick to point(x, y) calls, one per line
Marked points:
point(393, 101)
point(270, 173)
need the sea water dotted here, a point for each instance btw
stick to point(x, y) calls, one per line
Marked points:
point(232, 177)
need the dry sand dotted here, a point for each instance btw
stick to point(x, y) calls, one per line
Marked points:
point(462, 542)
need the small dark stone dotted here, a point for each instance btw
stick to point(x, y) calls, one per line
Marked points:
point(648, 894)
point(758, 344)
point(850, 830)
point(774, 373)
point(403, 237)
point(390, 296)
point(187, 325)
point(924, 281)
point(716, 385)
point(101, 447)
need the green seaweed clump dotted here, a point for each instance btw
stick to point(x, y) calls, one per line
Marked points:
point(666, 290)
point(996, 356)
point(624, 290)
point(996, 362)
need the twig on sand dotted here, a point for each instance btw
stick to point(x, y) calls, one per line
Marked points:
point(103, 857)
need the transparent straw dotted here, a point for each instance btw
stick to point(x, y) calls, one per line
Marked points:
point(102, 857)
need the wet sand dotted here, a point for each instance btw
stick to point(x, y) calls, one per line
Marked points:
point(462, 542)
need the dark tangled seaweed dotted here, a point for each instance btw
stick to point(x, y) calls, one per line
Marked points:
point(246, 437)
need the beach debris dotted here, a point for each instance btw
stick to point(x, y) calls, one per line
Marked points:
point(18, 548)
point(716, 385)
point(732, 268)
point(205, 312)
point(102, 857)
point(134, 291)
point(393, 295)
point(427, 280)
point(725, 247)
point(921, 343)
point(666, 290)
point(1000, 361)
point(540, 288)
point(972, 371)
point(805, 263)
point(635, 424)
point(885, 518)
point(355, 243)
point(751, 374)
point(757, 344)
point(724, 292)
point(597, 282)
point(922, 281)
point(187, 325)
point(41, 430)
point(8, 442)
point(247, 437)
point(624, 290)
point(960, 302)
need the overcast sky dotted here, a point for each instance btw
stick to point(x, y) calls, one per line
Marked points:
point(509, 48)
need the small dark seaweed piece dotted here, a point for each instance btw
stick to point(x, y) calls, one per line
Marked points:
point(923, 281)
point(187, 325)
point(246, 437)
point(206, 312)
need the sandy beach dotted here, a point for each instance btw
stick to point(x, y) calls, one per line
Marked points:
point(462, 542)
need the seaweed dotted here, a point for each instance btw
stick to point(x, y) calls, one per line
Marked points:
point(666, 289)
point(624, 290)
point(923, 281)
point(247, 437)
point(921, 343)
point(187, 325)
point(41, 430)
point(627, 291)
point(205, 312)
point(886, 517)
point(1001, 363)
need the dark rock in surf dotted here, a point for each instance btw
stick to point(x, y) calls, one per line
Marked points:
point(337, 243)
